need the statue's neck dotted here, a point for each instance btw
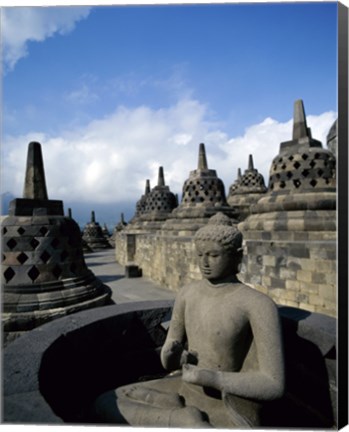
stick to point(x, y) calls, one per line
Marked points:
point(217, 282)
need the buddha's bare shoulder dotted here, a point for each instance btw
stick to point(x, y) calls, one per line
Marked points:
point(191, 288)
point(255, 300)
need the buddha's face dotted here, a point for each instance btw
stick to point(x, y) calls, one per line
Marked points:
point(215, 262)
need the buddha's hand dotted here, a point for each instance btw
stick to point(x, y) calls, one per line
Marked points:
point(196, 375)
point(174, 355)
point(189, 357)
point(171, 354)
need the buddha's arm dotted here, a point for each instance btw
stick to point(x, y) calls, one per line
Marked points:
point(173, 349)
point(267, 382)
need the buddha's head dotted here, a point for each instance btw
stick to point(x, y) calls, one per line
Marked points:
point(219, 248)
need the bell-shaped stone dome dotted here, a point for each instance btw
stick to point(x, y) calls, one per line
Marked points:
point(290, 235)
point(203, 187)
point(235, 185)
point(43, 269)
point(94, 236)
point(246, 190)
point(302, 165)
point(141, 203)
point(203, 196)
point(160, 201)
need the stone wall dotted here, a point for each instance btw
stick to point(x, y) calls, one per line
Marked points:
point(293, 272)
point(295, 268)
point(167, 260)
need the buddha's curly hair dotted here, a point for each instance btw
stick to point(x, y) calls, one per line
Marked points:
point(220, 229)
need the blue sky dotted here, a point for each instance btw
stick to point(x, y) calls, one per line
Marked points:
point(113, 92)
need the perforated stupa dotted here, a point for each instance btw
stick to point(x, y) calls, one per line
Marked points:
point(246, 190)
point(44, 274)
point(291, 235)
point(203, 196)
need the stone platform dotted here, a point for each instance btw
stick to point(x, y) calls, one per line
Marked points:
point(124, 289)
point(52, 374)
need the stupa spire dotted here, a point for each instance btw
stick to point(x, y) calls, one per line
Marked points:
point(300, 129)
point(35, 183)
point(250, 162)
point(93, 217)
point(147, 186)
point(239, 173)
point(161, 177)
point(202, 164)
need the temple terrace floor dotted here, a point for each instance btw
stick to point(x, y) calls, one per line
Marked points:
point(124, 289)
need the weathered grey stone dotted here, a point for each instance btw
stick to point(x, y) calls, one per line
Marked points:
point(154, 207)
point(203, 196)
point(223, 337)
point(299, 214)
point(42, 257)
point(332, 140)
point(93, 235)
point(246, 190)
point(132, 271)
point(81, 356)
point(35, 182)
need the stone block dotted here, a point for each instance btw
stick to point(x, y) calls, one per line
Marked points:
point(327, 293)
point(315, 300)
point(309, 287)
point(307, 264)
point(307, 307)
point(286, 273)
point(132, 271)
point(292, 285)
point(301, 236)
point(266, 281)
point(291, 295)
point(269, 260)
point(319, 278)
point(299, 251)
point(289, 303)
point(331, 278)
point(304, 275)
point(302, 298)
point(277, 283)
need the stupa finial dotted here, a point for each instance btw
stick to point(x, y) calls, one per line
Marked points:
point(300, 129)
point(93, 217)
point(70, 214)
point(202, 158)
point(35, 183)
point(161, 177)
point(250, 162)
point(147, 186)
point(239, 173)
point(122, 219)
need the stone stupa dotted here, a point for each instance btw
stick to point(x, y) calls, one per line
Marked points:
point(203, 196)
point(120, 226)
point(44, 275)
point(290, 237)
point(246, 190)
point(93, 235)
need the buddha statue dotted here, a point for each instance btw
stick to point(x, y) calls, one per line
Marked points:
point(223, 350)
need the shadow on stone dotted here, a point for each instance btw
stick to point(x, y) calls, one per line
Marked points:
point(308, 360)
point(120, 345)
point(107, 278)
point(79, 366)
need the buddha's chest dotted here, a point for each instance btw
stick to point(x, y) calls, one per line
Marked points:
point(216, 324)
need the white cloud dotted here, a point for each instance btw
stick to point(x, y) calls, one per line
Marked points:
point(23, 24)
point(109, 160)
